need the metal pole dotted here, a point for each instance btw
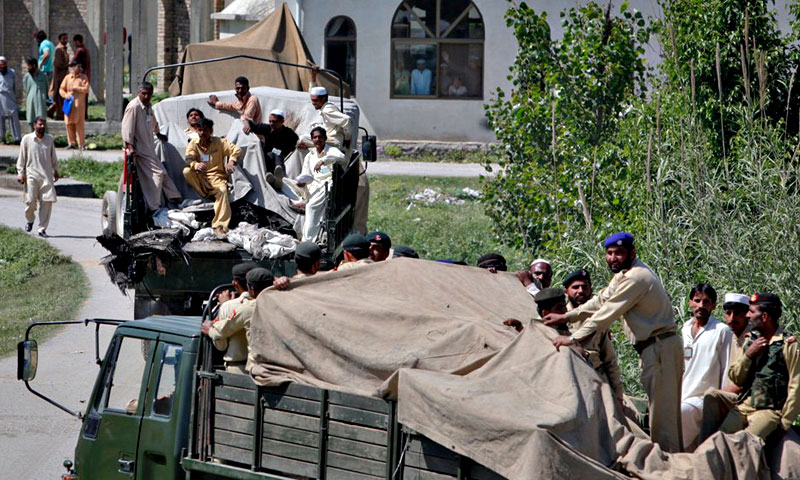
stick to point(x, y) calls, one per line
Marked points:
point(251, 57)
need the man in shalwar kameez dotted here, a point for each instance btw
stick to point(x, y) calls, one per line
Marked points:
point(37, 171)
point(138, 127)
point(76, 85)
point(315, 182)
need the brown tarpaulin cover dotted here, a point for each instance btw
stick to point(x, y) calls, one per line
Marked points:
point(431, 335)
point(275, 37)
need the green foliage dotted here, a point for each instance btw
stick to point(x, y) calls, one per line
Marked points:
point(567, 97)
point(392, 151)
point(36, 282)
point(726, 52)
point(702, 209)
point(102, 175)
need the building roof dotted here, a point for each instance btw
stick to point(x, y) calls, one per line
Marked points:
point(246, 10)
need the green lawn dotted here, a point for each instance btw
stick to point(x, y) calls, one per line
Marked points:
point(437, 230)
point(395, 154)
point(103, 176)
point(36, 283)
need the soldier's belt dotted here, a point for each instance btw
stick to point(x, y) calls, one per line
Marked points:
point(640, 346)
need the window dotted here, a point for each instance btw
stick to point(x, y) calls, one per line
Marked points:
point(123, 380)
point(167, 379)
point(340, 49)
point(437, 50)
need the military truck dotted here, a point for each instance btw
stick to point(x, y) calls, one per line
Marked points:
point(171, 275)
point(173, 413)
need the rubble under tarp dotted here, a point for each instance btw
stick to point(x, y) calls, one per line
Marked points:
point(431, 336)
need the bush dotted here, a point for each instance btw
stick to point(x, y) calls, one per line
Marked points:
point(102, 175)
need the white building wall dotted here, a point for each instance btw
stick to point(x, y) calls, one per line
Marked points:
point(411, 119)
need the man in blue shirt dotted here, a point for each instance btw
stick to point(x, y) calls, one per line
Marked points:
point(421, 79)
point(47, 52)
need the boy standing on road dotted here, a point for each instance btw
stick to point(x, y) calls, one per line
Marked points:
point(37, 169)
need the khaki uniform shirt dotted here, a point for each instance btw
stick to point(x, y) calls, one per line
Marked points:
point(637, 295)
point(599, 350)
point(354, 265)
point(231, 331)
point(214, 156)
point(738, 374)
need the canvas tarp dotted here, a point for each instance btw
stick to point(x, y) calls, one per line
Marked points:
point(431, 336)
point(276, 37)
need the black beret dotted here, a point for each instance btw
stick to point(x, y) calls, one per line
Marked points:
point(549, 296)
point(308, 250)
point(576, 275)
point(404, 251)
point(379, 237)
point(239, 271)
point(355, 241)
point(766, 298)
point(259, 278)
point(492, 260)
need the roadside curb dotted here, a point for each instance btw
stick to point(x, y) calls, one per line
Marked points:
point(65, 187)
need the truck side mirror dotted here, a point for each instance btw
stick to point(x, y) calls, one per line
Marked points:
point(27, 360)
point(369, 148)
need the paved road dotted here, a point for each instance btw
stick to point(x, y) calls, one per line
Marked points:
point(35, 437)
point(381, 167)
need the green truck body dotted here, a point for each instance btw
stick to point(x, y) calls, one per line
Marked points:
point(160, 409)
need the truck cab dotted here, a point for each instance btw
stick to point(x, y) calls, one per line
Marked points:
point(136, 424)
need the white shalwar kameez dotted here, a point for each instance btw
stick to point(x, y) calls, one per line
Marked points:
point(706, 358)
point(315, 192)
point(37, 163)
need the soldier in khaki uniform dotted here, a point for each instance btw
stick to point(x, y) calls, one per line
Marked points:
point(636, 294)
point(598, 348)
point(231, 330)
point(356, 252)
point(768, 372)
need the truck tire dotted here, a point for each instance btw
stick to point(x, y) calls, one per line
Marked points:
point(108, 215)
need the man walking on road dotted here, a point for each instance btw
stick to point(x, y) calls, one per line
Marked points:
point(8, 101)
point(37, 169)
point(138, 126)
point(636, 294)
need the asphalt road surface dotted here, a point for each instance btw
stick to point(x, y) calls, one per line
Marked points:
point(36, 437)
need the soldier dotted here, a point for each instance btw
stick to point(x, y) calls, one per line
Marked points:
point(636, 294)
point(404, 251)
point(380, 246)
point(494, 262)
point(308, 256)
point(598, 349)
point(768, 372)
point(230, 332)
point(356, 252)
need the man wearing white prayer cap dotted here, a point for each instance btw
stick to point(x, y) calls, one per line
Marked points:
point(537, 277)
point(279, 143)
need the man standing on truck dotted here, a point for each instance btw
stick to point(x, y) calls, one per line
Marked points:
point(138, 127)
point(224, 330)
point(37, 171)
point(207, 171)
point(315, 181)
point(636, 294)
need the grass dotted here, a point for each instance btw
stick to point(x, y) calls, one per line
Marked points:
point(102, 175)
point(438, 230)
point(36, 283)
point(100, 141)
point(396, 154)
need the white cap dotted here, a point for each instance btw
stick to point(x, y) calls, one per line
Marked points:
point(278, 113)
point(316, 91)
point(540, 260)
point(736, 298)
point(3, 59)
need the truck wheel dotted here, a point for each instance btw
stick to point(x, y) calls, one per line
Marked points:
point(108, 216)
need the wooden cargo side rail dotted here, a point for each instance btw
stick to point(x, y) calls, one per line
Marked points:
point(307, 432)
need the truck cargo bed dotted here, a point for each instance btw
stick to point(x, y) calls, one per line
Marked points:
point(299, 431)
